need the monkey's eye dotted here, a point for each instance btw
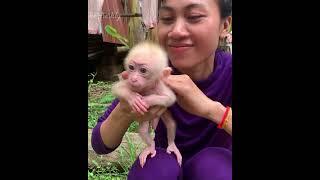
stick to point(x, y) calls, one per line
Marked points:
point(143, 70)
point(131, 67)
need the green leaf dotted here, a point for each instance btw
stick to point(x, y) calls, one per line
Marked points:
point(114, 33)
point(95, 162)
point(106, 99)
point(111, 31)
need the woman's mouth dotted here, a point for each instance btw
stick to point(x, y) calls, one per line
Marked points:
point(179, 48)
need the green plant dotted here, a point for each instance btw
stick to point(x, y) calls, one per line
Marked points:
point(99, 98)
point(90, 82)
point(108, 172)
point(114, 33)
point(107, 99)
point(127, 154)
point(133, 127)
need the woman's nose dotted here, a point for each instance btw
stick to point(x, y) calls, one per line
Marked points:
point(179, 30)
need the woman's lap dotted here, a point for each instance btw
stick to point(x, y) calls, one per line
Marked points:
point(210, 163)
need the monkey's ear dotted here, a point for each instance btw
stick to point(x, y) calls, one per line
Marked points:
point(123, 76)
point(166, 71)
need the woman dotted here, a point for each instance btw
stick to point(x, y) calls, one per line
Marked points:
point(189, 30)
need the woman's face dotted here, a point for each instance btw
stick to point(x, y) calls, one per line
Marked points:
point(189, 31)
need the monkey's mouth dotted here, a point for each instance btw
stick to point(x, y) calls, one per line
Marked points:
point(135, 87)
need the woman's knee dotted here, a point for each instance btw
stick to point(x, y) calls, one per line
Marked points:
point(162, 166)
point(210, 163)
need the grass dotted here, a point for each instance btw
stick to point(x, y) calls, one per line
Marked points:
point(99, 98)
point(110, 171)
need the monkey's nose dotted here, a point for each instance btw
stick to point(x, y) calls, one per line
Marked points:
point(133, 80)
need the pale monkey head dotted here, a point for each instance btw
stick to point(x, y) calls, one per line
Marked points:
point(145, 63)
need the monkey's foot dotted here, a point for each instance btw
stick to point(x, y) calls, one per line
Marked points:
point(144, 154)
point(173, 148)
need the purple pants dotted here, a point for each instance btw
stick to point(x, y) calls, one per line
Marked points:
point(212, 163)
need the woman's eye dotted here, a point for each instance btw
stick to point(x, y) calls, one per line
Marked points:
point(166, 20)
point(131, 67)
point(143, 70)
point(195, 18)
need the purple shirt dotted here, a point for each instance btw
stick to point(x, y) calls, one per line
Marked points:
point(193, 133)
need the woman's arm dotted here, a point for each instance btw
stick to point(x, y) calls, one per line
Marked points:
point(193, 100)
point(215, 112)
point(110, 128)
point(115, 126)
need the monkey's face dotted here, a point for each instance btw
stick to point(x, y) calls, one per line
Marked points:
point(140, 76)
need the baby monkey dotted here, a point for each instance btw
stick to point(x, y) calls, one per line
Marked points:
point(145, 64)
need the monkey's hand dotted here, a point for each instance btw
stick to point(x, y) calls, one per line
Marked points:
point(173, 148)
point(137, 103)
point(144, 154)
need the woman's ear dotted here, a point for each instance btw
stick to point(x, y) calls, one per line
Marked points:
point(225, 27)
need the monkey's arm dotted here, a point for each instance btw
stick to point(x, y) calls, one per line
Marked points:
point(154, 99)
point(122, 91)
point(165, 97)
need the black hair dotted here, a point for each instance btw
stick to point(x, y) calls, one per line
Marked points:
point(225, 7)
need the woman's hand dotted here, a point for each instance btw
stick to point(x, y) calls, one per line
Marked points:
point(189, 96)
point(192, 99)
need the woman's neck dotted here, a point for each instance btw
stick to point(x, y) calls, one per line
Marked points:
point(200, 71)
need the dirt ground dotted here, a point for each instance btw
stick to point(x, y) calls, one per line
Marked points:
point(98, 90)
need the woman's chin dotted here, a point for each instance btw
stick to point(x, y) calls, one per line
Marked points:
point(181, 64)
